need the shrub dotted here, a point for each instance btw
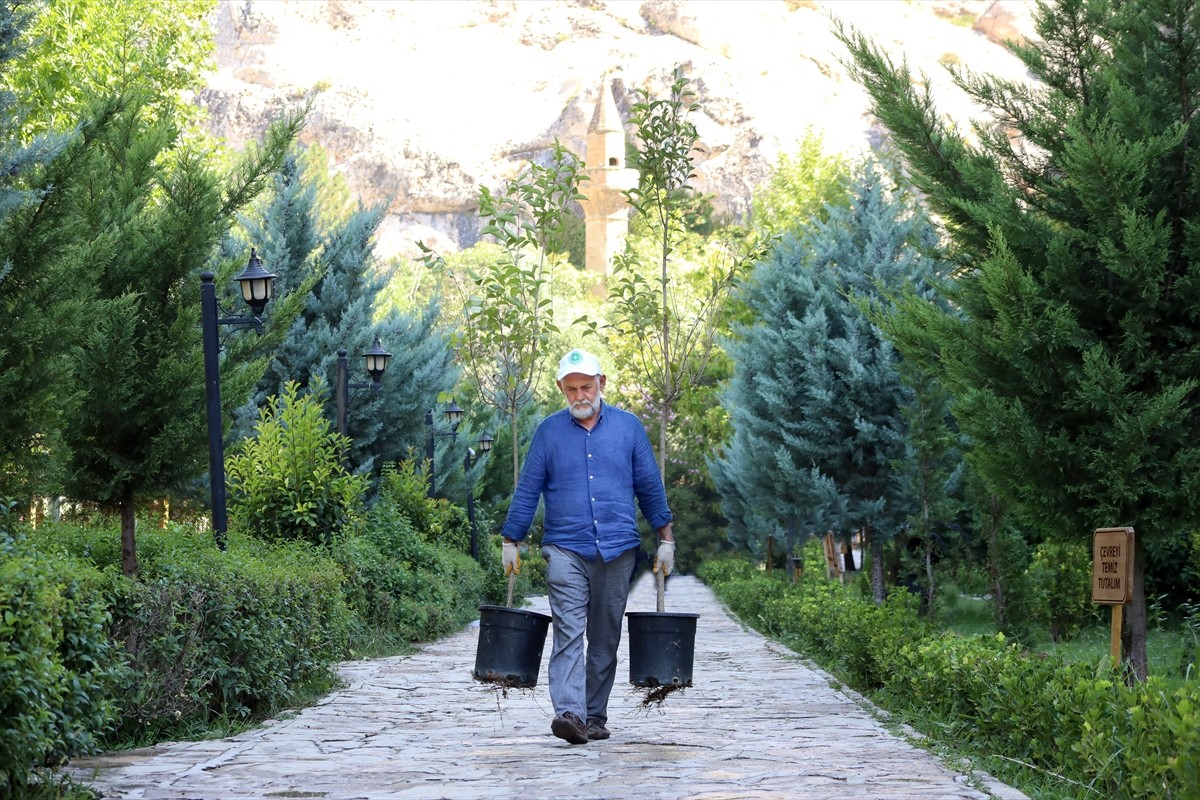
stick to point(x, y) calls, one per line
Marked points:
point(1060, 583)
point(212, 634)
point(58, 668)
point(404, 487)
point(413, 582)
point(1142, 741)
point(1075, 720)
point(288, 482)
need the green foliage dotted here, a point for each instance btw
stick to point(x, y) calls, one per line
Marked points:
point(1073, 336)
point(1077, 722)
point(570, 238)
point(816, 401)
point(84, 50)
point(802, 188)
point(58, 668)
point(397, 578)
point(323, 250)
point(212, 635)
point(508, 315)
point(288, 482)
point(43, 277)
point(17, 155)
point(441, 522)
point(153, 213)
point(669, 310)
point(1060, 582)
point(1144, 742)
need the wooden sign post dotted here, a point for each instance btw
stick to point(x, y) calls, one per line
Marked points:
point(1112, 577)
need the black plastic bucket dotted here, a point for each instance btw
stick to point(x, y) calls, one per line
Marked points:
point(510, 646)
point(662, 646)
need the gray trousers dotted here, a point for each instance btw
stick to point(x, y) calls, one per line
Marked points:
point(587, 599)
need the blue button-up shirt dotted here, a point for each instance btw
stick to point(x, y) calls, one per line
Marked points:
point(589, 480)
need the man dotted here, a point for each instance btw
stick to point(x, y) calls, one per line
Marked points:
point(588, 462)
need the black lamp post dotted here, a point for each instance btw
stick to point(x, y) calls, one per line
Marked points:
point(377, 360)
point(454, 415)
point(485, 445)
point(257, 287)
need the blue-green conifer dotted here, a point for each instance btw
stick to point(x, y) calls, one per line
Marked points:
point(333, 260)
point(816, 399)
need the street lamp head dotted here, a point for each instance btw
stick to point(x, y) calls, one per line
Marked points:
point(377, 360)
point(485, 443)
point(454, 414)
point(257, 284)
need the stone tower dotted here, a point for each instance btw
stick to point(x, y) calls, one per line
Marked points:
point(605, 211)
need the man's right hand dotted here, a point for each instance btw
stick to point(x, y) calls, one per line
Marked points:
point(511, 558)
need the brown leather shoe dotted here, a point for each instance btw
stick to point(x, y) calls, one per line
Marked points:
point(596, 730)
point(569, 727)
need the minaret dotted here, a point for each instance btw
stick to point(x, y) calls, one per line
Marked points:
point(606, 212)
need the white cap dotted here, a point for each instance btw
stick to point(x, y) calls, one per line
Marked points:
point(580, 361)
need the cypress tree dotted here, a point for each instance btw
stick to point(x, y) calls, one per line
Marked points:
point(153, 215)
point(1073, 363)
point(41, 297)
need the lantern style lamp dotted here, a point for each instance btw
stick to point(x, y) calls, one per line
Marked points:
point(258, 285)
point(376, 361)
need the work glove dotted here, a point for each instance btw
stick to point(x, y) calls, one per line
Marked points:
point(511, 559)
point(664, 559)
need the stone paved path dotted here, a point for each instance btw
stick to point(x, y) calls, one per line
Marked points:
point(758, 723)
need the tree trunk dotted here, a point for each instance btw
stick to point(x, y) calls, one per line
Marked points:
point(992, 535)
point(663, 416)
point(129, 563)
point(516, 453)
point(929, 587)
point(876, 547)
point(668, 379)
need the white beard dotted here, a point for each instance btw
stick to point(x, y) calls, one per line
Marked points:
point(585, 410)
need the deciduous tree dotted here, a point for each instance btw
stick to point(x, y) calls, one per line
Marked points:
point(668, 310)
point(508, 317)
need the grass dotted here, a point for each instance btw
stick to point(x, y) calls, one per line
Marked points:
point(1170, 646)
point(378, 643)
point(969, 616)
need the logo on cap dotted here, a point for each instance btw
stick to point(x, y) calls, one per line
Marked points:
point(576, 357)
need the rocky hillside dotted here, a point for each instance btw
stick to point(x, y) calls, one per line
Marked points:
point(422, 101)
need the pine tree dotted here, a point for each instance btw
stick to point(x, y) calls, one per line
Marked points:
point(1073, 219)
point(816, 401)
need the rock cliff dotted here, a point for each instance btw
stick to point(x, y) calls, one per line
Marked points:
point(419, 102)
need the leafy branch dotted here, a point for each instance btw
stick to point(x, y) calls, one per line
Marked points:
point(508, 309)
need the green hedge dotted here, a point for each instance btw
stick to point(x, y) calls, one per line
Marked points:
point(212, 634)
point(58, 667)
point(1075, 720)
point(90, 658)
